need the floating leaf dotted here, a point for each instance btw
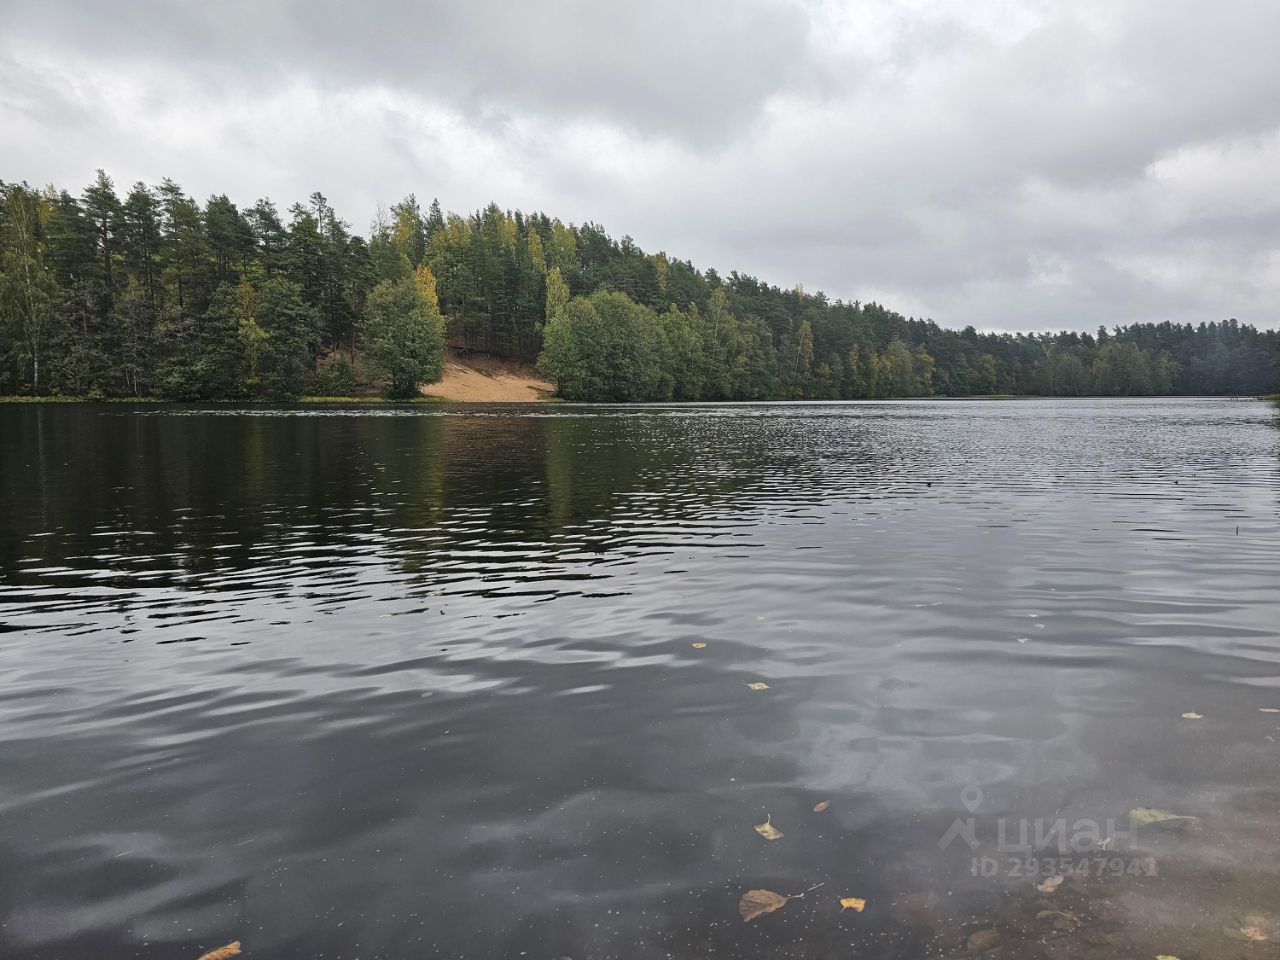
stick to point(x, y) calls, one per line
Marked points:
point(820, 807)
point(698, 646)
point(757, 686)
point(768, 830)
point(1149, 815)
point(755, 903)
point(1050, 884)
point(1192, 715)
point(222, 953)
point(852, 903)
point(1166, 956)
point(1251, 928)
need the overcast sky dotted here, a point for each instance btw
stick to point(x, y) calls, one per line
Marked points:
point(1036, 164)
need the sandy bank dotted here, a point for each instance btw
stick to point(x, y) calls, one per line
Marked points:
point(483, 379)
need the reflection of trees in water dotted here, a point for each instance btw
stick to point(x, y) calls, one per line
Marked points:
point(470, 502)
point(526, 499)
point(444, 497)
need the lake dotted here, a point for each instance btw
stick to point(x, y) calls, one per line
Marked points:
point(446, 681)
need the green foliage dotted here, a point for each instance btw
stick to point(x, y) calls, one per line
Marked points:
point(156, 295)
point(28, 290)
point(557, 294)
point(291, 335)
point(214, 357)
point(134, 322)
point(403, 337)
point(335, 377)
point(606, 347)
point(686, 352)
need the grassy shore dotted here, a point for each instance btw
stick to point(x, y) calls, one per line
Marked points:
point(432, 399)
point(7, 398)
point(236, 403)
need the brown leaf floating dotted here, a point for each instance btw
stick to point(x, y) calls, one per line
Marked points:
point(755, 903)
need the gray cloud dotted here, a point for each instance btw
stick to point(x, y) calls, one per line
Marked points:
point(1007, 164)
point(664, 67)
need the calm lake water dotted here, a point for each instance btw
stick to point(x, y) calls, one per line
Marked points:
point(429, 682)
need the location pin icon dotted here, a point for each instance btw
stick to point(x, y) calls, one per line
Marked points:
point(971, 797)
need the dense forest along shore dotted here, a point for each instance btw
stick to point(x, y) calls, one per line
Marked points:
point(154, 295)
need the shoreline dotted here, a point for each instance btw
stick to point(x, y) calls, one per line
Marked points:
point(438, 398)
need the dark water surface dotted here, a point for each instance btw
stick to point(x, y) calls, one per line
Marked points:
point(422, 682)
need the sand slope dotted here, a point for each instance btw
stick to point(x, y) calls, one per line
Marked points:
point(489, 380)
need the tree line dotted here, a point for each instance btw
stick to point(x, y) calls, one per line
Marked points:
point(155, 295)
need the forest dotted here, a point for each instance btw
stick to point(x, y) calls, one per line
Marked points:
point(150, 294)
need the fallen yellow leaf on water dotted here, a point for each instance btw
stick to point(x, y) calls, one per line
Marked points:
point(852, 903)
point(1192, 715)
point(757, 686)
point(1253, 933)
point(1149, 815)
point(222, 953)
point(757, 902)
point(819, 807)
point(768, 830)
point(698, 646)
point(1166, 956)
point(1050, 884)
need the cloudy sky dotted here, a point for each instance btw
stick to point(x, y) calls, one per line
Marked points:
point(1014, 165)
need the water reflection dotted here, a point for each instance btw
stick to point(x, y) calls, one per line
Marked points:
point(353, 683)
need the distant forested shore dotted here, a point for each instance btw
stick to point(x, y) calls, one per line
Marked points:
point(153, 295)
